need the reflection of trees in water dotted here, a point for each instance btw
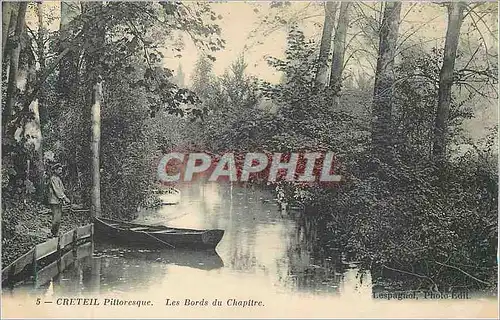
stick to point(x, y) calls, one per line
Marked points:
point(26, 287)
point(128, 269)
point(258, 240)
point(75, 272)
point(101, 274)
point(120, 272)
point(309, 267)
point(199, 259)
point(241, 239)
point(243, 210)
point(242, 259)
point(212, 204)
point(306, 230)
point(254, 224)
point(82, 277)
point(123, 269)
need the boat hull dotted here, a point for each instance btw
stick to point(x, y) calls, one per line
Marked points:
point(136, 235)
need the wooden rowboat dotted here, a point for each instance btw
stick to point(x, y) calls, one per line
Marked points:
point(133, 234)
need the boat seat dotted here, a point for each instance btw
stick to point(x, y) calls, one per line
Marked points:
point(139, 228)
point(164, 231)
point(178, 231)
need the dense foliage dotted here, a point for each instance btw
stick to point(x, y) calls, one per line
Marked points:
point(118, 44)
point(407, 217)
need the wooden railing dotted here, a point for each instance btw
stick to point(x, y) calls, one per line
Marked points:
point(48, 272)
point(55, 246)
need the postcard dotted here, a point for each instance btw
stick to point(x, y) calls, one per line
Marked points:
point(257, 159)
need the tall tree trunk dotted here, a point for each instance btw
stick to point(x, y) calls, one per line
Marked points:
point(95, 147)
point(455, 18)
point(326, 43)
point(8, 12)
point(384, 80)
point(9, 32)
point(42, 113)
point(69, 65)
point(14, 64)
point(68, 85)
point(94, 83)
point(42, 64)
point(30, 132)
point(339, 50)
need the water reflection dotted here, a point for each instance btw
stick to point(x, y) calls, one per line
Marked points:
point(75, 272)
point(258, 240)
point(262, 255)
point(205, 260)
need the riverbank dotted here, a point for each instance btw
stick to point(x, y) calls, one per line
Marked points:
point(261, 251)
point(26, 224)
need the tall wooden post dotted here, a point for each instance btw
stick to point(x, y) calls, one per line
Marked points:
point(95, 146)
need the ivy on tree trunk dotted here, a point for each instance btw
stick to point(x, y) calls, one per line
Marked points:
point(326, 43)
point(455, 17)
point(384, 80)
point(339, 50)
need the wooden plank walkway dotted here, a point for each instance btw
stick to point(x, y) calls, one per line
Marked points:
point(67, 241)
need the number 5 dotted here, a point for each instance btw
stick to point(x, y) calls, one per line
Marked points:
point(37, 301)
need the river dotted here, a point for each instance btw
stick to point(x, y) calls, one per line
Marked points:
point(263, 257)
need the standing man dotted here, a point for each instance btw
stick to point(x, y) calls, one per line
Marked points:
point(56, 197)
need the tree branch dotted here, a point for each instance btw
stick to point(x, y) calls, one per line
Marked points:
point(466, 273)
point(412, 274)
point(25, 108)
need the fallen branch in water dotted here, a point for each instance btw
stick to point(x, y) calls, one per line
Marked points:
point(415, 275)
point(407, 272)
point(464, 272)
